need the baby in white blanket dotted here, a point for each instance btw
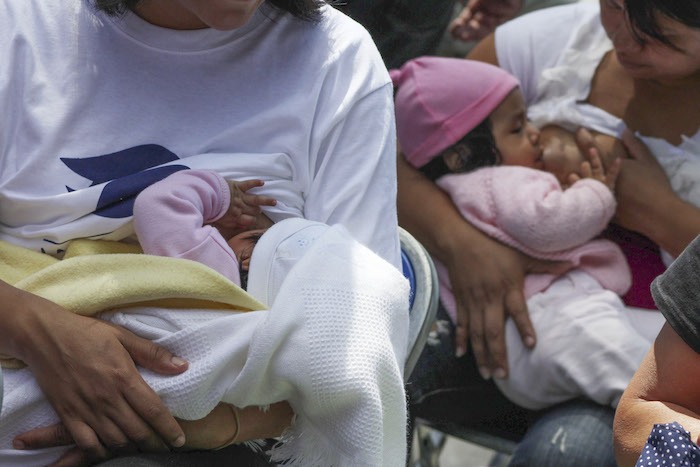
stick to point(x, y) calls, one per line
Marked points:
point(332, 343)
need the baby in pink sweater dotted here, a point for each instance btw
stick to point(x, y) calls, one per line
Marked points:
point(197, 215)
point(464, 124)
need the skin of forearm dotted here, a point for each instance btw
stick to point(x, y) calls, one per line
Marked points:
point(428, 213)
point(635, 418)
point(672, 225)
point(216, 429)
point(256, 424)
point(16, 318)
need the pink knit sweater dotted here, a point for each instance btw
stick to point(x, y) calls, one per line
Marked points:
point(171, 217)
point(528, 210)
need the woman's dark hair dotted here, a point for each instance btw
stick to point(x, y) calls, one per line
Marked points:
point(304, 9)
point(644, 17)
point(475, 150)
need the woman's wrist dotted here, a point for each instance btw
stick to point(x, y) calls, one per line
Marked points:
point(459, 236)
point(17, 317)
point(672, 224)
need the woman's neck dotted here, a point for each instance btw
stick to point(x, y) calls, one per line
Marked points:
point(168, 14)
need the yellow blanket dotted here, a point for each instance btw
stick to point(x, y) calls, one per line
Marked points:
point(98, 275)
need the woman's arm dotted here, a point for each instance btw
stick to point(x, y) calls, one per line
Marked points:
point(485, 51)
point(647, 203)
point(486, 276)
point(85, 367)
point(664, 389)
point(214, 431)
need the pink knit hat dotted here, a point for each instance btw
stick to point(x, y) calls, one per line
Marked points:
point(439, 100)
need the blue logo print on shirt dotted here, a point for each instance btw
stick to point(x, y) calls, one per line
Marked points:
point(126, 173)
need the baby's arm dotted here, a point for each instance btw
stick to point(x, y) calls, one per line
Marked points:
point(170, 219)
point(535, 210)
point(664, 389)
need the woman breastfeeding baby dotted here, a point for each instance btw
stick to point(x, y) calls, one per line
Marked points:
point(280, 345)
point(464, 125)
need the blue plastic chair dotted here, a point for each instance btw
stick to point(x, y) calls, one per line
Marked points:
point(420, 271)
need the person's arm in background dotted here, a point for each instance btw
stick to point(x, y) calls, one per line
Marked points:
point(664, 390)
point(480, 17)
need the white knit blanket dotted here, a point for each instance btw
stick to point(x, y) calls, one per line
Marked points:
point(332, 344)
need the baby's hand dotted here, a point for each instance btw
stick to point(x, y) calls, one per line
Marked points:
point(244, 206)
point(593, 168)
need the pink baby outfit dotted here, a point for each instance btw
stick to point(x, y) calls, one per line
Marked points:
point(171, 217)
point(586, 344)
point(528, 210)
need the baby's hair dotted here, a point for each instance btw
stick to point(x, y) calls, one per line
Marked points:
point(475, 150)
point(244, 273)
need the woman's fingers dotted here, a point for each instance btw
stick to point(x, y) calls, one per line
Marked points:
point(148, 354)
point(148, 410)
point(44, 437)
point(476, 337)
point(494, 334)
point(143, 400)
point(516, 308)
point(461, 330)
point(86, 439)
point(484, 290)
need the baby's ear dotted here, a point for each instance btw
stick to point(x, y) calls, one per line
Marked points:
point(454, 158)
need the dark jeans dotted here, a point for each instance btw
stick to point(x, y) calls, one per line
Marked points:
point(445, 389)
point(402, 29)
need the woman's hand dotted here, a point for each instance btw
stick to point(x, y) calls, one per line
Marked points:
point(643, 185)
point(86, 369)
point(487, 279)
